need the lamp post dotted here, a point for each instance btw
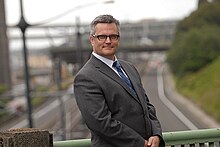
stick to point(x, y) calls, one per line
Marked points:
point(23, 25)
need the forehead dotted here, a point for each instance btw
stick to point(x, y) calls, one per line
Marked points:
point(106, 27)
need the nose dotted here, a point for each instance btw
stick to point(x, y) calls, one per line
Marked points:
point(108, 39)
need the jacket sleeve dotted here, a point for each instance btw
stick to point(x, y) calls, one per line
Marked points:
point(91, 102)
point(156, 127)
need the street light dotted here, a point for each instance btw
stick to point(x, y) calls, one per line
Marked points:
point(23, 25)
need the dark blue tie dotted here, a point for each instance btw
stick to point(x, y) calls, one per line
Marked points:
point(118, 67)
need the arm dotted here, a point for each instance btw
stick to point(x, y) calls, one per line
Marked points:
point(156, 127)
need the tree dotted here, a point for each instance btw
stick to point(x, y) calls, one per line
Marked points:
point(197, 41)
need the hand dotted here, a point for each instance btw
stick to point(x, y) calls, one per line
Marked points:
point(153, 141)
point(145, 143)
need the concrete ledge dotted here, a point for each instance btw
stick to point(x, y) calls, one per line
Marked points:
point(26, 137)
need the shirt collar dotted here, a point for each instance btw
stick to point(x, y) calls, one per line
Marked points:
point(105, 60)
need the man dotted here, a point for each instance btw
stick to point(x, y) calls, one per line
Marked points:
point(117, 112)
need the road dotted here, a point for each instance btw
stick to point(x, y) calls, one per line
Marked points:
point(168, 118)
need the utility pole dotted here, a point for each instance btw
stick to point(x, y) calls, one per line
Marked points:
point(5, 74)
point(58, 80)
point(79, 43)
point(23, 25)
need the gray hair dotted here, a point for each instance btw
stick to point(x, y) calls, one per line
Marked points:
point(103, 19)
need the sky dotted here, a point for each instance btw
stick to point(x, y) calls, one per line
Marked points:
point(37, 11)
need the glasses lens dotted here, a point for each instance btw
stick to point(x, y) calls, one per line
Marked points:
point(101, 37)
point(113, 37)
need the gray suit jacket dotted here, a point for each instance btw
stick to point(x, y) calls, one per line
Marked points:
point(115, 117)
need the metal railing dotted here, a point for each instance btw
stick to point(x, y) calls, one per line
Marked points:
point(205, 137)
point(202, 138)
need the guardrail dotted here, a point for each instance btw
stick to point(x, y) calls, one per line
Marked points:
point(203, 137)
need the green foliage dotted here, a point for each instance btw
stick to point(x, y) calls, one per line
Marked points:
point(3, 88)
point(203, 87)
point(197, 41)
point(206, 14)
point(193, 50)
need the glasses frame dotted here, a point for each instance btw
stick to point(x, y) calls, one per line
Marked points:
point(111, 37)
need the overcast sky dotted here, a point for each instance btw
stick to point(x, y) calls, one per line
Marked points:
point(125, 10)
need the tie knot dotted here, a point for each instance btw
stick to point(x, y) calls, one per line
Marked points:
point(116, 64)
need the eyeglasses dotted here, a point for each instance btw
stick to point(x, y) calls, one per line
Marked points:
point(112, 37)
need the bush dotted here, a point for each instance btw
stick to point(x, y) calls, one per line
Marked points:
point(194, 49)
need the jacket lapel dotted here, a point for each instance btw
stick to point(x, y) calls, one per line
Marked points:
point(131, 76)
point(102, 67)
point(133, 79)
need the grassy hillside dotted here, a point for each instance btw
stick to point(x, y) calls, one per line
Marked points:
point(203, 88)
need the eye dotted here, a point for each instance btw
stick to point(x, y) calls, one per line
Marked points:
point(101, 37)
point(113, 37)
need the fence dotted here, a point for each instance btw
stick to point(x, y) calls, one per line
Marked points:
point(201, 138)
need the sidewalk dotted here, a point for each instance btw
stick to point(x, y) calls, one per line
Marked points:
point(175, 96)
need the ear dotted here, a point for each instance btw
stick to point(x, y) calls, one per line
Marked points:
point(91, 39)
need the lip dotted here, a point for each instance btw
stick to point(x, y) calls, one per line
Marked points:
point(108, 47)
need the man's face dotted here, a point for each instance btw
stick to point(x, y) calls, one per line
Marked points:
point(105, 47)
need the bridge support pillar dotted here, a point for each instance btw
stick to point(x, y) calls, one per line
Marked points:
point(26, 137)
